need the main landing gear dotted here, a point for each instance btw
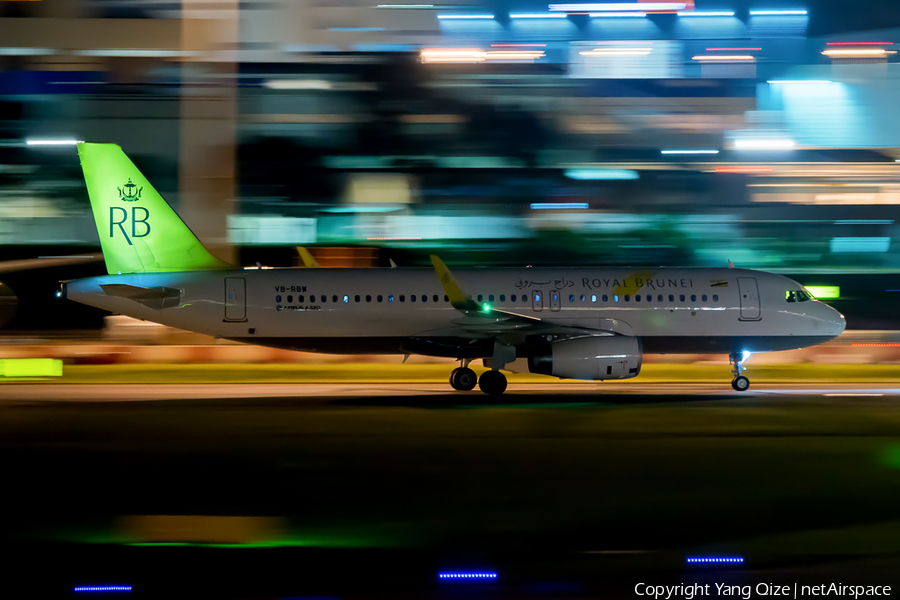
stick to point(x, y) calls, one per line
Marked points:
point(739, 383)
point(464, 379)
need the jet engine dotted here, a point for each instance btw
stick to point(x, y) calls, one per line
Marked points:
point(589, 358)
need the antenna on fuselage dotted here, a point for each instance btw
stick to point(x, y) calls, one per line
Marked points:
point(730, 264)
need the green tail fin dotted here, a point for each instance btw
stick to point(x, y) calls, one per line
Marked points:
point(139, 231)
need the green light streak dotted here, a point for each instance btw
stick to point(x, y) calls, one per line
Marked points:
point(824, 292)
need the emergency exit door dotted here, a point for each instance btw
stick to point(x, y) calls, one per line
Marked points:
point(537, 300)
point(554, 300)
point(749, 292)
point(235, 299)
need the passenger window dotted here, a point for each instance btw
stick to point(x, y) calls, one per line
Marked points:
point(537, 298)
point(312, 298)
point(660, 298)
point(435, 298)
point(446, 298)
point(412, 298)
point(324, 299)
point(334, 297)
point(681, 298)
point(790, 296)
point(347, 298)
point(715, 297)
point(391, 298)
point(671, 297)
point(582, 297)
point(379, 297)
point(616, 298)
point(491, 298)
point(637, 298)
point(627, 298)
point(368, 298)
point(502, 297)
point(693, 297)
point(278, 298)
point(513, 298)
point(424, 297)
point(291, 298)
point(356, 298)
point(299, 299)
point(593, 297)
point(703, 297)
point(605, 298)
point(571, 297)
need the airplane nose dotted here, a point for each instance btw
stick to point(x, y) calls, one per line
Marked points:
point(837, 321)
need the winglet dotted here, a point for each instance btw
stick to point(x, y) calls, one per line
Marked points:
point(307, 258)
point(730, 264)
point(458, 299)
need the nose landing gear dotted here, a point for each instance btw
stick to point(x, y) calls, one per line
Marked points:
point(739, 383)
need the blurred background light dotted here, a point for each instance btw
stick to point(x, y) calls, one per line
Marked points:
point(559, 205)
point(756, 13)
point(601, 174)
point(844, 245)
point(689, 151)
point(824, 292)
point(621, 6)
point(52, 142)
point(538, 16)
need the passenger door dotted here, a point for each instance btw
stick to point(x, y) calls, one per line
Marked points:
point(537, 300)
point(235, 299)
point(749, 292)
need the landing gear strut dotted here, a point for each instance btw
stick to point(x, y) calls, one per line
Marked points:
point(492, 383)
point(739, 383)
point(463, 378)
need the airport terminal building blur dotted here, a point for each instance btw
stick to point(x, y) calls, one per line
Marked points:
point(628, 133)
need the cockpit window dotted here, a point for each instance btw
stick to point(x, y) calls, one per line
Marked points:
point(797, 296)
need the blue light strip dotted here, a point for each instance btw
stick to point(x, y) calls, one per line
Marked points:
point(601, 174)
point(689, 151)
point(538, 16)
point(777, 12)
point(711, 559)
point(559, 205)
point(102, 588)
point(473, 575)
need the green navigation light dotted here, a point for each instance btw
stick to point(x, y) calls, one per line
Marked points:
point(486, 307)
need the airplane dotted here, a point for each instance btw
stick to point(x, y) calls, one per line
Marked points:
point(570, 323)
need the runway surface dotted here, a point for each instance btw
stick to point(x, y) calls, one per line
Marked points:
point(319, 393)
point(565, 490)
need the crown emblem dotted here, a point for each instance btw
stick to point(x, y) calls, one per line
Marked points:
point(130, 192)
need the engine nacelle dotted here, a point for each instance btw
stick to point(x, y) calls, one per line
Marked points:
point(590, 358)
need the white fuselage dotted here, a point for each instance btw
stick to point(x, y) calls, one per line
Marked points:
point(372, 310)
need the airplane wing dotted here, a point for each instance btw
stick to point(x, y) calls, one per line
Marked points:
point(483, 320)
